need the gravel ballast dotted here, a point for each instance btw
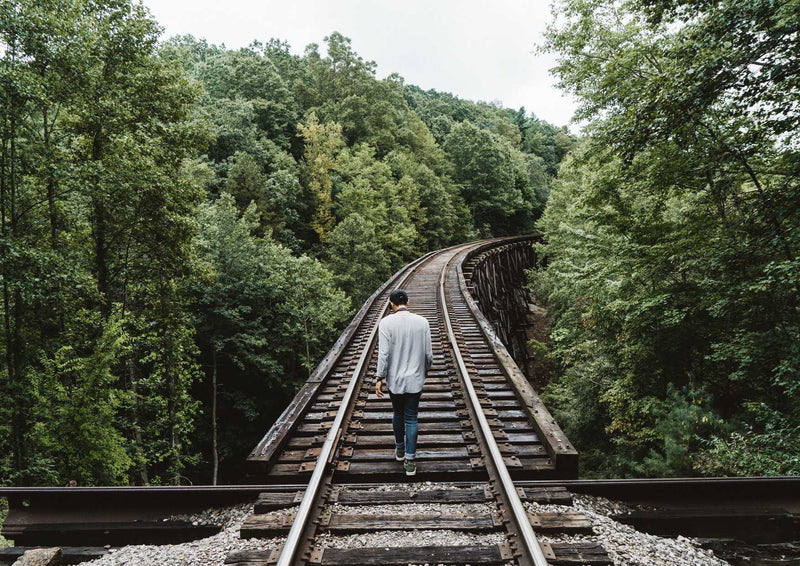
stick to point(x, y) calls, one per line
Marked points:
point(401, 539)
point(625, 545)
point(210, 551)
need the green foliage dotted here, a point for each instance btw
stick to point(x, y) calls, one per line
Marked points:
point(175, 213)
point(95, 223)
point(545, 365)
point(75, 408)
point(359, 261)
point(322, 143)
point(264, 317)
point(673, 236)
point(682, 420)
point(367, 187)
point(494, 177)
point(769, 445)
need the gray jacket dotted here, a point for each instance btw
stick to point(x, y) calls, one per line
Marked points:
point(404, 351)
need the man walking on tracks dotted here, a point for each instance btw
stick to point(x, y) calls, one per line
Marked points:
point(404, 357)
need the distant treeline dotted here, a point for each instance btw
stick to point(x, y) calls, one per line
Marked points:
point(184, 229)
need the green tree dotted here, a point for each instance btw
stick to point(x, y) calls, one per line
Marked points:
point(496, 185)
point(95, 129)
point(366, 187)
point(75, 411)
point(672, 235)
point(357, 258)
point(322, 143)
point(263, 317)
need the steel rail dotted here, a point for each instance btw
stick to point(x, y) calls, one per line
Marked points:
point(530, 543)
point(303, 514)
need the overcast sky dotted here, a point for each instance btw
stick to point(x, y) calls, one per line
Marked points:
point(478, 50)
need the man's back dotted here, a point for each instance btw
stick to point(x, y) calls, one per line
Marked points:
point(404, 351)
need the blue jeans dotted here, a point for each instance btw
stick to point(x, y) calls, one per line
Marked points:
point(404, 421)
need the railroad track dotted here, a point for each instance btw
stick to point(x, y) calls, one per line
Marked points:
point(481, 428)
point(746, 521)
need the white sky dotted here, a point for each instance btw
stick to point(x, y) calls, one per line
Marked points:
point(478, 50)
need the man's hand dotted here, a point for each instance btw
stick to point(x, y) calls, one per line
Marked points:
point(379, 388)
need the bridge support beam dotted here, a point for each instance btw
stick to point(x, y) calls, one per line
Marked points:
point(490, 273)
point(497, 280)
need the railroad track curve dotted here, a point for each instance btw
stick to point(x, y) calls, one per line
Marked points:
point(478, 435)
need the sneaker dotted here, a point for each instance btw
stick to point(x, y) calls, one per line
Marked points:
point(399, 454)
point(411, 467)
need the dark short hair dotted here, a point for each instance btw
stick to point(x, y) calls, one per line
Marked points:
point(399, 297)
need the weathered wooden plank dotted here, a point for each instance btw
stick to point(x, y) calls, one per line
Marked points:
point(501, 395)
point(69, 554)
point(509, 415)
point(314, 428)
point(266, 525)
point(574, 554)
point(353, 523)
point(424, 406)
point(551, 495)
point(424, 427)
point(294, 456)
point(253, 557)
point(382, 556)
point(445, 394)
point(487, 555)
point(423, 454)
point(292, 469)
point(543, 463)
point(424, 440)
point(528, 450)
point(362, 497)
point(451, 466)
point(424, 416)
point(271, 524)
point(519, 426)
point(523, 437)
point(572, 523)
point(500, 404)
point(269, 501)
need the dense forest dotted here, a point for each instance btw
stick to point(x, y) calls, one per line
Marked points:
point(673, 234)
point(185, 229)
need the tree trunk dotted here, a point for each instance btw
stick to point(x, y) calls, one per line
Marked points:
point(214, 451)
point(6, 292)
point(13, 313)
point(308, 349)
point(170, 370)
point(99, 229)
point(51, 182)
point(141, 461)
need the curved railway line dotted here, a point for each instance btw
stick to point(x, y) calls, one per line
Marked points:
point(478, 423)
point(489, 452)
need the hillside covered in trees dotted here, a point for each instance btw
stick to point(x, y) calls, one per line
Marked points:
point(185, 229)
point(673, 238)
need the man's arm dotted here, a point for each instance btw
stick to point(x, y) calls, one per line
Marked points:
point(383, 358)
point(428, 346)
